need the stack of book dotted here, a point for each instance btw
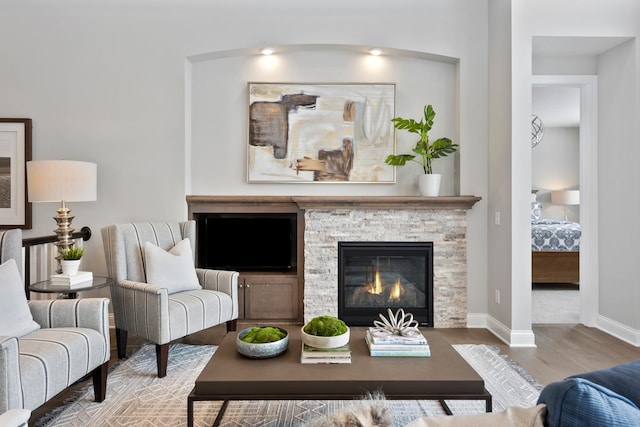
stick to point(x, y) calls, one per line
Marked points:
point(395, 345)
point(76, 280)
point(314, 355)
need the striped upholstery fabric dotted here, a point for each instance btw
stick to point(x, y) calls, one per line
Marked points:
point(72, 342)
point(149, 310)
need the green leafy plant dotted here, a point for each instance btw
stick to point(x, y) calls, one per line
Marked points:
point(261, 335)
point(425, 150)
point(72, 253)
point(325, 326)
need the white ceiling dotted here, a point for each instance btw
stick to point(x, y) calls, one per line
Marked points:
point(557, 106)
point(560, 106)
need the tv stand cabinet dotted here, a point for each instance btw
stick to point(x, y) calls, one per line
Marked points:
point(262, 295)
point(268, 296)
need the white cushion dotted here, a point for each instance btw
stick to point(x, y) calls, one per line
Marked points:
point(15, 317)
point(173, 270)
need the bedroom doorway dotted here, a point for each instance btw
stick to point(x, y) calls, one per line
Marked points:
point(567, 162)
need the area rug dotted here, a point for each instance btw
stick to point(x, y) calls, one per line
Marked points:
point(136, 397)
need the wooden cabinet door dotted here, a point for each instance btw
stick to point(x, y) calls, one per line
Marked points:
point(271, 297)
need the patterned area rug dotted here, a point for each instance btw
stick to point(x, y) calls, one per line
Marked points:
point(136, 397)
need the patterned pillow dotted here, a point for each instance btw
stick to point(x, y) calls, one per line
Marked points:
point(15, 317)
point(536, 209)
point(174, 269)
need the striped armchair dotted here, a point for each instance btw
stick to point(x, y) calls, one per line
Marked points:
point(151, 310)
point(72, 340)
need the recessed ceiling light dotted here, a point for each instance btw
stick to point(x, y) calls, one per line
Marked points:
point(375, 51)
point(266, 51)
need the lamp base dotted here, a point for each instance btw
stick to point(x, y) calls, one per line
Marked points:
point(64, 231)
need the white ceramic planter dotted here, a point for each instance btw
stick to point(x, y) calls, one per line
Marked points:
point(325, 342)
point(70, 266)
point(429, 184)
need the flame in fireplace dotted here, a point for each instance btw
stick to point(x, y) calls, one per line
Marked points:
point(376, 286)
point(396, 291)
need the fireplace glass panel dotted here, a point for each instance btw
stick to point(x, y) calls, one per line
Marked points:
point(376, 276)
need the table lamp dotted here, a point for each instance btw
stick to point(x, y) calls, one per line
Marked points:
point(564, 198)
point(62, 181)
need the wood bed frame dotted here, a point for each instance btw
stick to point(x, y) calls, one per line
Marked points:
point(555, 267)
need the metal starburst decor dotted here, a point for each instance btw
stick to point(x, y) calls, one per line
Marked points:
point(537, 130)
point(400, 323)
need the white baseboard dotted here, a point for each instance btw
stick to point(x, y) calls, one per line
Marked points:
point(618, 330)
point(527, 338)
point(513, 338)
point(476, 320)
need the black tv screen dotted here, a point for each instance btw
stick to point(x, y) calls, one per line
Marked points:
point(247, 241)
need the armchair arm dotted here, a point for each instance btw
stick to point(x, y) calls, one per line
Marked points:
point(15, 417)
point(222, 281)
point(10, 384)
point(219, 280)
point(90, 313)
point(140, 307)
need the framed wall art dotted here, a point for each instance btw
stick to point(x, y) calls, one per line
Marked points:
point(15, 151)
point(315, 133)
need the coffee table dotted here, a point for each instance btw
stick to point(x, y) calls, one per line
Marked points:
point(443, 376)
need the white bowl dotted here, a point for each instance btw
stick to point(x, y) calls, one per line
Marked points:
point(325, 342)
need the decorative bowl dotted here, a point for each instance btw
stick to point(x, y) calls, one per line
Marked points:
point(325, 342)
point(261, 350)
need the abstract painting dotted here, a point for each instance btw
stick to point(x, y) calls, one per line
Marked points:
point(314, 133)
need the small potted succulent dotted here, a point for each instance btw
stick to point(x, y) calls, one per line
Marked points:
point(325, 332)
point(70, 260)
point(426, 151)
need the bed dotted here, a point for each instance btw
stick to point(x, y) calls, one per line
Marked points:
point(555, 249)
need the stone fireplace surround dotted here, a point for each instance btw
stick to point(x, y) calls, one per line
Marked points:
point(330, 219)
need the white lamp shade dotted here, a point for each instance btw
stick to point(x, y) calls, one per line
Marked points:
point(62, 180)
point(566, 197)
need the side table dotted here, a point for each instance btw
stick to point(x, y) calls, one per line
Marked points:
point(49, 287)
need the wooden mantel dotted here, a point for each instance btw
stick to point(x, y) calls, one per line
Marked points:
point(207, 203)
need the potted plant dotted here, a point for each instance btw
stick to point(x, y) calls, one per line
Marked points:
point(70, 259)
point(428, 182)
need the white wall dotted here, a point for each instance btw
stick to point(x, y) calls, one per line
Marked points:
point(220, 99)
point(619, 177)
point(109, 82)
point(619, 73)
point(500, 169)
point(555, 166)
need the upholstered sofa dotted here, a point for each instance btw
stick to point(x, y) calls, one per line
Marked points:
point(608, 397)
point(47, 345)
point(604, 398)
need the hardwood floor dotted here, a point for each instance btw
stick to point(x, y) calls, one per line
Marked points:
point(562, 350)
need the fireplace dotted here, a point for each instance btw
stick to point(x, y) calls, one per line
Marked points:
point(376, 276)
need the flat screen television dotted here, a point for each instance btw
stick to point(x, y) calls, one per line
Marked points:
point(247, 241)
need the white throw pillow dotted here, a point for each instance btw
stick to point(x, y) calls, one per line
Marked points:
point(15, 317)
point(173, 270)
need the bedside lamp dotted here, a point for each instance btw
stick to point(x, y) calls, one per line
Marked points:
point(564, 198)
point(62, 181)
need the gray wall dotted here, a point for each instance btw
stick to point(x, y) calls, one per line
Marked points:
point(112, 82)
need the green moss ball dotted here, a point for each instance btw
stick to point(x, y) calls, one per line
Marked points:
point(325, 326)
point(263, 334)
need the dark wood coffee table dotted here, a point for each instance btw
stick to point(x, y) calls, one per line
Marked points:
point(443, 376)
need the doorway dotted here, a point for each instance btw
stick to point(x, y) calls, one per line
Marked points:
point(585, 87)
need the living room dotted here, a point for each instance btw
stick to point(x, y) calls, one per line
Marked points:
point(156, 95)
